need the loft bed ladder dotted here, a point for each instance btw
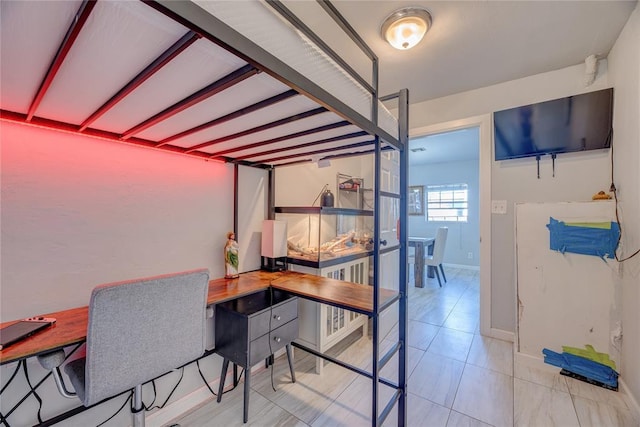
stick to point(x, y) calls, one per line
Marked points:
point(399, 397)
point(400, 347)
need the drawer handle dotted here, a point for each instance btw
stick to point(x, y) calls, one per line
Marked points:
point(277, 339)
point(277, 317)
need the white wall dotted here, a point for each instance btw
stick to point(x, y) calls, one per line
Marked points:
point(463, 237)
point(299, 185)
point(78, 212)
point(624, 74)
point(252, 210)
point(578, 176)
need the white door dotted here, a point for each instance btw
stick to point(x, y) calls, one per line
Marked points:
point(389, 211)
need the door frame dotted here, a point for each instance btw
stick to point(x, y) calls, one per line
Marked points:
point(484, 123)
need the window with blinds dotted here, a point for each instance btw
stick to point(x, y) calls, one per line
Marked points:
point(449, 203)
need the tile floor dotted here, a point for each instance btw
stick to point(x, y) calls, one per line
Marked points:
point(456, 378)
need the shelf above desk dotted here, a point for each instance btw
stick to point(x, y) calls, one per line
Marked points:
point(71, 325)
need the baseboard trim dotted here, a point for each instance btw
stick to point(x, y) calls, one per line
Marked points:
point(176, 409)
point(631, 399)
point(501, 334)
point(462, 266)
point(530, 361)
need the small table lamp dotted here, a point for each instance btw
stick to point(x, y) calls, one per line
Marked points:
point(274, 245)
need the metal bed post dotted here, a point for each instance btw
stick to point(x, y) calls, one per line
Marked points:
point(376, 286)
point(376, 272)
point(271, 194)
point(376, 259)
point(236, 176)
point(403, 134)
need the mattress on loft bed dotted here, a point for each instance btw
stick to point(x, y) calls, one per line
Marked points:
point(262, 25)
point(174, 90)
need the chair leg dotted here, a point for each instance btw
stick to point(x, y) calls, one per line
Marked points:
point(445, 277)
point(289, 358)
point(438, 276)
point(225, 366)
point(137, 408)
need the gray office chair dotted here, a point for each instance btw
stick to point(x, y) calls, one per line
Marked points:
point(435, 260)
point(137, 331)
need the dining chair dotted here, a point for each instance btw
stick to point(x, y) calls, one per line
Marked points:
point(137, 331)
point(435, 260)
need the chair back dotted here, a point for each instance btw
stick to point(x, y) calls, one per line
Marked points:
point(439, 244)
point(141, 329)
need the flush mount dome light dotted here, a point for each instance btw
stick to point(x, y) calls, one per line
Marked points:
point(404, 28)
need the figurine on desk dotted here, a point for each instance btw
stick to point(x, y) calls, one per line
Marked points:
point(231, 257)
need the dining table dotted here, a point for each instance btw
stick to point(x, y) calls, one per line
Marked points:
point(420, 244)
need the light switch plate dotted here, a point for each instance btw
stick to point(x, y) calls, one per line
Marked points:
point(499, 207)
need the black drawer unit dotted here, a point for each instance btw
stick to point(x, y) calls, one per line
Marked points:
point(251, 328)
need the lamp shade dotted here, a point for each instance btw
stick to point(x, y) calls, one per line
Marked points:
point(274, 239)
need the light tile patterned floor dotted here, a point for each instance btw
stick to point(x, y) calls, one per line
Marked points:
point(456, 378)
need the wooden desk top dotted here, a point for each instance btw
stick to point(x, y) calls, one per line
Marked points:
point(71, 325)
point(333, 292)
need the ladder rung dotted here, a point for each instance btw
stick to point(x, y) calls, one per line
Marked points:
point(385, 412)
point(388, 303)
point(385, 359)
point(333, 360)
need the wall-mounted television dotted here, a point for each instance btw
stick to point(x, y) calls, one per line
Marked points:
point(575, 123)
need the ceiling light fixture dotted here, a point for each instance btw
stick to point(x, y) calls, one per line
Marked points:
point(406, 27)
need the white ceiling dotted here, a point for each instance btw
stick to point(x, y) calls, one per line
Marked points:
point(473, 44)
point(446, 147)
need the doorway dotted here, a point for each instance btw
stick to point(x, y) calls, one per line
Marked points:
point(469, 239)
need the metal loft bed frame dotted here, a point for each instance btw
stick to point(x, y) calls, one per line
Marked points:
point(345, 132)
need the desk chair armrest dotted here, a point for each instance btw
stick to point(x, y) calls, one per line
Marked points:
point(51, 362)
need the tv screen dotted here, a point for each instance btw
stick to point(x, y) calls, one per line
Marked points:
point(575, 123)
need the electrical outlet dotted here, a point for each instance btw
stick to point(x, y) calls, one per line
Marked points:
point(470, 255)
point(499, 207)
